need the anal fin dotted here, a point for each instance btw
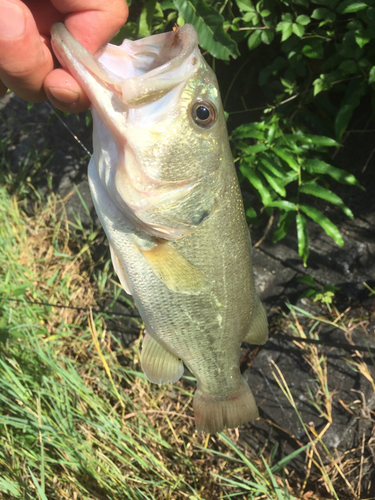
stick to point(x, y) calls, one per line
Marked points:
point(174, 270)
point(159, 365)
point(258, 331)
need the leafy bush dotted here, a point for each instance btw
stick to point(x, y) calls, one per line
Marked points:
point(315, 64)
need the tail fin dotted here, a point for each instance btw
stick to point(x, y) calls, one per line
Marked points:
point(214, 413)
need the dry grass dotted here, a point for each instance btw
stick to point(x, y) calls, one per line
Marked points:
point(350, 471)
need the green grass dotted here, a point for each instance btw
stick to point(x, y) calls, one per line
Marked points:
point(67, 429)
point(75, 423)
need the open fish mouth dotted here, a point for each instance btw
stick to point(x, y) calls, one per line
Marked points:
point(139, 71)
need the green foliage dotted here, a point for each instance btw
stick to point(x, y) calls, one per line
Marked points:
point(210, 27)
point(315, 62)
point(278, 165)
point(324, 294)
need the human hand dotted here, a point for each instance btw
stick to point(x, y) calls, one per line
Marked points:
point(27, 64)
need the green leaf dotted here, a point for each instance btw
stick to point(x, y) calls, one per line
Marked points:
point(320, 13)
point(348, 7)
point(129, 30)
point(272, 165)
point(254, 39)
point(303, 238)
point(342, 119)
point(256, 148)
point(274, 182)
point(321, 167)
point(286, 83)
point(267, 36)
point(255, 180)
point(319, 85)
point(329, 227)
point(288, 158)
point(288, 17)
point(353, 94)
point(315, 189)
point(307, 280)
point(313, 49)
point(272, 131)
point(304, 20)
point(371, 76)
point(286, 29)
point(247, 134)
point(282, 226)
point(245, 5)
point(310, 139)
point(251, 213)
point(298, 29)
point(362, 37)
point(146, 18)
point(283, 205)
point(348, 67)
point(209, 25)
point(251, 17)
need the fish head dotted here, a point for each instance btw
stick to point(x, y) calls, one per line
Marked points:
point(159, 127)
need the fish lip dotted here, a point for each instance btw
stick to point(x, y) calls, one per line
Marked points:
point(64, 44)
point(152, 83)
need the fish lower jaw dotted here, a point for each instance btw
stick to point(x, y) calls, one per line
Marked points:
point(214, 413)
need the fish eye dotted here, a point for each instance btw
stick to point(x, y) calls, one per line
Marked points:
point(204, 114)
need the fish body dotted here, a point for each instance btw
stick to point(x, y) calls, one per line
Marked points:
point(166, 192)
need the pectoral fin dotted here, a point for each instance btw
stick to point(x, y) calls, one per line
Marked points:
point(119, 269)
point(174, 270)
point(159, 365)
point(258, 332)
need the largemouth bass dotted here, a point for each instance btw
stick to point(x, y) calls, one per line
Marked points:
point(166, 192)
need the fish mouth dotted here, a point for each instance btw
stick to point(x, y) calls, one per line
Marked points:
point(138, 72)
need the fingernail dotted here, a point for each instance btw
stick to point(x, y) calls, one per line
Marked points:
point(64, 95)
point(12, 20)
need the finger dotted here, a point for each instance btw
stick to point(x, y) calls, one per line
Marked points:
point(92, 27)
point(65, 92)
point(93, 23)
point(24, 59)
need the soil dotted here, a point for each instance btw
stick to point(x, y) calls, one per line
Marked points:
point(277, 269)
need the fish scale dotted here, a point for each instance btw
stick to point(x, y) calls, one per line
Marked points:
point(165, 189)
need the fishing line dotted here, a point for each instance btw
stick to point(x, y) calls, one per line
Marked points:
point(283, 336)
point(84, 309)
point(70, 131)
